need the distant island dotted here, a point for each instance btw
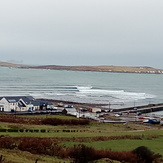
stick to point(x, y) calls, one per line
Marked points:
point(118, 69)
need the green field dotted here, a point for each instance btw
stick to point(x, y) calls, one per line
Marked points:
point(115, 137)
point(124, 145)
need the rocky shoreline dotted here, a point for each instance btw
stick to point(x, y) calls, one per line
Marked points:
point(75, 104)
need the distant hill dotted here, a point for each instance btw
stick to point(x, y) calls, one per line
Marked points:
point(7, 64)
point(120, 69)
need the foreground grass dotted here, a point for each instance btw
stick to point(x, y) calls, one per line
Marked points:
point(94, 129)
point(47, 116)
point(155, 144)
point(17, 156)
point(124, 145)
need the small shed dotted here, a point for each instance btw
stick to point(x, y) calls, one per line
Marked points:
point(95, 110)
point(70, 111)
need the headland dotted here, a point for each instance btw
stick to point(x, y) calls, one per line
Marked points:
point(104, 68)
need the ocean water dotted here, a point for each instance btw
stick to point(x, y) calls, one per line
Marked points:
point(117, 90)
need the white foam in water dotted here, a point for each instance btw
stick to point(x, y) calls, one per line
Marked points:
point(76, 86)
point(83, 88)
point(60, 94)
point(118, 94)
point(75, 93)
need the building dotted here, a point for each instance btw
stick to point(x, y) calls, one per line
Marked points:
point(95, 110)
point(22, 103)
point(70, 111)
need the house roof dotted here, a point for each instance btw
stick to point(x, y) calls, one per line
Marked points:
point(26, 99)
point(70, 109)
point(13, 99)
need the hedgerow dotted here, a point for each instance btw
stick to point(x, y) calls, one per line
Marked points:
point(45, 121)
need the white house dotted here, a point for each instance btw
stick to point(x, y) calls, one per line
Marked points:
point(22, 103)
point(8, 105)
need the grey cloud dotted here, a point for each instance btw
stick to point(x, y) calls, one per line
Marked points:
point(84, 32)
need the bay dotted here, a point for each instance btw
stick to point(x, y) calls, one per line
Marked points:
point(115, 89)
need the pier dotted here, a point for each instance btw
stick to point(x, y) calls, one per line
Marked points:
point(143, 109)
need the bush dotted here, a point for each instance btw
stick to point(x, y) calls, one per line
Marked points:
point(3, 130)
point(21, 130)
point(44, 146)
point(12, 130)
point(145, 155)
point(123, 156)
point(50, 121)
point(7, 142)
point(82, 153)
point(57, 121)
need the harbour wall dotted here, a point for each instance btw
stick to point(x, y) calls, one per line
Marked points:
point(143, 109)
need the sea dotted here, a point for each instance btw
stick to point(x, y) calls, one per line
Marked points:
point(115, 90)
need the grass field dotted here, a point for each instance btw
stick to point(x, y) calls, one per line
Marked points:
point(16, 156)
point(124, 145)
point(151, 138)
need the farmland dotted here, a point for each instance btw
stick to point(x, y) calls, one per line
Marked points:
point(30, 138)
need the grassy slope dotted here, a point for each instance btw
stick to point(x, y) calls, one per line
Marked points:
point(16, 156)
point(92, 130)
point(124, 145)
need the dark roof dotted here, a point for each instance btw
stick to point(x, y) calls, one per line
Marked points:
point(37, 102)
point(26, 99)
point(21, 104)
point(12, 99)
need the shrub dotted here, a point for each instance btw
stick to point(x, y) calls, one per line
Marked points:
point(44, 146)
point(122, 156)
point(50, 121)
point(3, 130)
point(145, 155)
point(57, 121)
point(7, 142)
point(21, 130)
point(12, 130)
point(82, 153)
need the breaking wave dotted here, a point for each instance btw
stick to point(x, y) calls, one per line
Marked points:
point(81, 86)
point(117, 94)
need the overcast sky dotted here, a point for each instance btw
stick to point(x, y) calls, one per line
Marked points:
point(82, 32)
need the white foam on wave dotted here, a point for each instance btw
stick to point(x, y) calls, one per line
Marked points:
point(118, 94)
point(80, 88)
point(134, 96)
